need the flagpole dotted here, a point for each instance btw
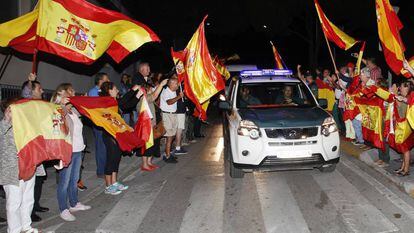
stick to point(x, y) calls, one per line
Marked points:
point(34, 62)
point(330, 51)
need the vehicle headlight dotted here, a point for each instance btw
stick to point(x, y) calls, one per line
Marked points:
point(328, 126)
point(248, 128)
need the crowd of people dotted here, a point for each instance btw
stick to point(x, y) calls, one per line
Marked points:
point(345, 83)
point(172, 116)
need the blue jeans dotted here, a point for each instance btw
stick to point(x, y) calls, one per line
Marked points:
point(358, 130)
point(100, 151)
point(68, 183)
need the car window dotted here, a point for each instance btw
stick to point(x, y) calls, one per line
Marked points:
point(274, 94)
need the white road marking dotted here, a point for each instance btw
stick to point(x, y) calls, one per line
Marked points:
point(205, 211)
point(386, 192)
point(358, 213)
point(215, 152)
point(279, 208)
point(128, 213)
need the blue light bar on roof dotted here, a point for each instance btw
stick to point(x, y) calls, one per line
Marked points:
point(269, 72)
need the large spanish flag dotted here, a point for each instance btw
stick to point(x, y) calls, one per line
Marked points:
point(202, 76)
point(326, 92)
point(143, 128)
point(80, 31)
point(389, 26)
point(372, 110)
point(20, 33)
point(332, 32)
point(41, 134)
point(397, 129)
point(278, 58)
point(103, 112)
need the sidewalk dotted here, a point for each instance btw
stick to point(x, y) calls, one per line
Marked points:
point(129, 168)
point(370, 156)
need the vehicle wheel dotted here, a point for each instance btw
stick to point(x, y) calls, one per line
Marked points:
point(328, 169)
point(234, 171)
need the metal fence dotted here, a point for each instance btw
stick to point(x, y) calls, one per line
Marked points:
point(7, 91)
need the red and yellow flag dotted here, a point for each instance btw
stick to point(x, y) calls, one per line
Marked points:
point(372, 111)
point(359, 61)
point(20, 33)
point(397, 130)
point(389, 26)
point(75, 30)
point(410, 110)
point(221, 68)
point(333, 33)
point(143, 128)
point(103, 112)
point(278, 58)
point(41, 134)
point(326, 92)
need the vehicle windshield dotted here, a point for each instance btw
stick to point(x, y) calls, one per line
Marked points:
point(273, 95)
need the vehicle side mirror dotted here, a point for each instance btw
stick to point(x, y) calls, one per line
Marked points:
point(225, 105)
point(323, 103)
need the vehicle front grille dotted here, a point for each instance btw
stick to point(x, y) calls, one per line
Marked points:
point(274, 160)
point(292, 133)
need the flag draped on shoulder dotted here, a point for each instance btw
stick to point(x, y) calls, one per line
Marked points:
point(326, 92)
point(332, 32)
point(20, 33)
point(372, 110)
point(143, 128)
point(103, 112)
point(278, 58)
point(410, 110)
point(201, 78)
point(41, 134)
point(389, 26)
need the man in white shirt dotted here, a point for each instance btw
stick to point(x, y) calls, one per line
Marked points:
point(168, 105)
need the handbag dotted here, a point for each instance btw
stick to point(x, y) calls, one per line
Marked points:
point(158, 130)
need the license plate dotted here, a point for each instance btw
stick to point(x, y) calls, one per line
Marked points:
point(294, 154)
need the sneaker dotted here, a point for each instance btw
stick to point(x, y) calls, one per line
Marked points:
point(121, 187)
point(112, 190)
point(79, 206)
point(81, 186)
point(170, 159)
point(358, 143)
point(181, 152)
point(67, 216)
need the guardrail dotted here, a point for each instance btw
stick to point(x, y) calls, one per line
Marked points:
point(7, 91)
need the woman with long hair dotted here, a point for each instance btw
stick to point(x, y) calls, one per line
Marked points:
point(113, 152)
point(68, 177)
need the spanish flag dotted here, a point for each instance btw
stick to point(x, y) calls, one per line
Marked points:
point(326, 92)
point(372, 110)
point(397, 129)
point(221, 68)
point(41, 134)
point(410, 110)
point(333, 33)
point(143, 128)
point(380, 92)
point(20, 33)
point(389, 26)
point(75, 30)
point(203, 77)
point(179, 59)
point(103, 112)
point(202, 112)
point(278, 58)
point(359, 60)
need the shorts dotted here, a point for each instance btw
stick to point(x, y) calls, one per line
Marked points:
point(181, 120)
point(170, 123)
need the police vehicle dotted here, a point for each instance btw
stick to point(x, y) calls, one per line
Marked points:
point(273, 122)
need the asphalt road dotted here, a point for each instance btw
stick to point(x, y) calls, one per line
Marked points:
point(197, 195)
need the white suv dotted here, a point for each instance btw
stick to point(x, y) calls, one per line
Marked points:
point(273, 122)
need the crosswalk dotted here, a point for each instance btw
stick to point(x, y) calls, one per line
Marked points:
point(350, 199)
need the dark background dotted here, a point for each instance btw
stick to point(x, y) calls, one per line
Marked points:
point(237, 26)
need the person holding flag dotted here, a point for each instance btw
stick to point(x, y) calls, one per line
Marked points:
point(68, 177)
point(113, 151)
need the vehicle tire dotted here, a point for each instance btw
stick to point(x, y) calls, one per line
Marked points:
point(328, 169)
point(234, 171)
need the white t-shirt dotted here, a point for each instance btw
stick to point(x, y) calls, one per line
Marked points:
point(167, 94)
point(78, 144)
